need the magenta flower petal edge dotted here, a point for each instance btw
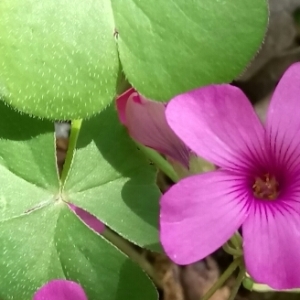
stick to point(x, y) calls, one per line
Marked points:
point(60, 289)
point(256, 187)
point(90, 220)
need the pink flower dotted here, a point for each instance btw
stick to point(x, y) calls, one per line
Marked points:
point(257, 186)
point(147, 124)
point(60, 289)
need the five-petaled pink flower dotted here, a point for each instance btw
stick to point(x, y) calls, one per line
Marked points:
point(60, 289)
point(257, 186)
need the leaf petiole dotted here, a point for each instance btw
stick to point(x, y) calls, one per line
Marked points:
point(75, 129)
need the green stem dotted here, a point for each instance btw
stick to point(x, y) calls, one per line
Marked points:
point(237, 240)
point(160, 162)
point(124, 246)
point(222, 278)
point(232, 251)
point(237, 284)
point(75, 129)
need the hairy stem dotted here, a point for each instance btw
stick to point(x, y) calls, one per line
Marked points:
point(133, 254)
point(237, 284)
point(160, 162)
point(237, 240)
point(237, 262)
point(75, 129)
point(232, 251)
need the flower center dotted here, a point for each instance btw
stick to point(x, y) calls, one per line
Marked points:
point(266, 187)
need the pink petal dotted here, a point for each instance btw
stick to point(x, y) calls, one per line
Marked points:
point(121, 103)
point(90, 220)
point(60, 290)
point(147, 125)
point(272, 244)
point(200, 213)
point(219, 124)
point(283, 119)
